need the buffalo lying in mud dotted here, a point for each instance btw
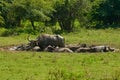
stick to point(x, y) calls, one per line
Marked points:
point(56, 43)
point(45, 40)
point(57, 49)
point(101, 48)
point(69, 49)
point(84, 48)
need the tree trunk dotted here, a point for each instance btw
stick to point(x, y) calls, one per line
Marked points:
point(66, 25)
point(33, 26)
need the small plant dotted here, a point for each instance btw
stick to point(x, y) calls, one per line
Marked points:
point(9, 32)
point(56, 74)
point(60, 74)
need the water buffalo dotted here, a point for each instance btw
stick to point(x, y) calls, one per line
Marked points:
point(82, 49)
point(94, 48)
point(45, 40)
point(57, 49)
point(100, 48)
point(49, 49)
point(72, 47)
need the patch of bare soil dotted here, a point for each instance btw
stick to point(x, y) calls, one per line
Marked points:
point(6, 48)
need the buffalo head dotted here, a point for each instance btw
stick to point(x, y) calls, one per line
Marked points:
point(32, 43)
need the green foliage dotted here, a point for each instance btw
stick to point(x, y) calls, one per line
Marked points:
point(106, 12)
point(16, 10)
point(35, 10)
point(89, 13)
point(4, 10)
point(9, 32)
point(66, 13)
point(1, 21)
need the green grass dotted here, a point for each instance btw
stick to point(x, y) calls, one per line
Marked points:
point(59, 66)
point(15, 40)
point(18, 65)
point(105, 37)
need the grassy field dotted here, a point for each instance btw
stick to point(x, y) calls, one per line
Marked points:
point(105, 37)
point(20, 65)
point(59, 66)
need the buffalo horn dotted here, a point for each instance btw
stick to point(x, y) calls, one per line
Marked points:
point(28, 38)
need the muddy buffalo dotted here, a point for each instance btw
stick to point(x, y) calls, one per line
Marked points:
point(45, 40)
point(57, 49)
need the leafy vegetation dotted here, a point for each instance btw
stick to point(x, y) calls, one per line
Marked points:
point(89, 13)
point(106, 13)
point(15, 11)
point(67, 12)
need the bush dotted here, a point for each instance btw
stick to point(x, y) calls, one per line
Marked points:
point(9, 32)
point(60, 74)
